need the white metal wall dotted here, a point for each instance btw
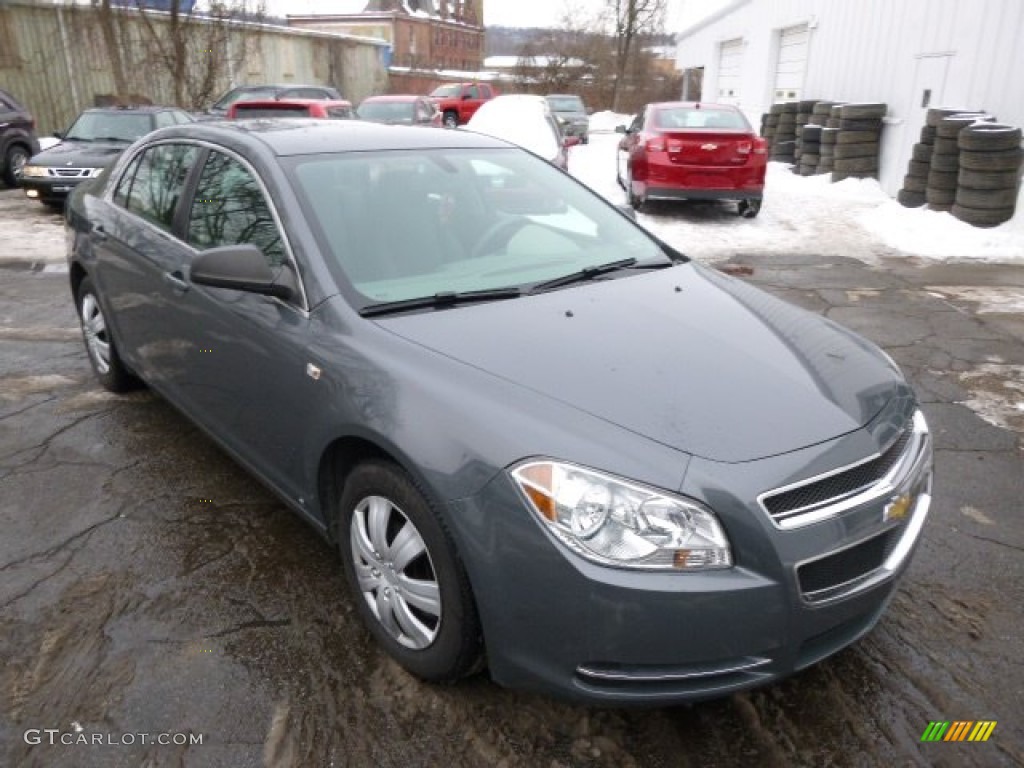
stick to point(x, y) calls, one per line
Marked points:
point(730, 71)
point(967, 54)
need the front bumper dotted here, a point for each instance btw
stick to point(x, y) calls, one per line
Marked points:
point(47, 189)
point(559, 624)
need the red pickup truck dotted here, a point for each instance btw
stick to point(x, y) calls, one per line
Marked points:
point(458, 101)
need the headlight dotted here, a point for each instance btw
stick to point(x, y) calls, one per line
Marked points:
point(94, 172)
point(33, 171)
point(614, 522)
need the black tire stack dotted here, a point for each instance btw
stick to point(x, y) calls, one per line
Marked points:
point(940, 191)
point(827, 150)
point(768, 123)
point(913, 194)
point(804, 109)
point(810, 149)
point(857, 142)
point(784, 140)
point(989, 173)
point(820, 113)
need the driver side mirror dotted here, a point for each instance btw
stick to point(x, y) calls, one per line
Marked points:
point(243, 267)
point(621, 129)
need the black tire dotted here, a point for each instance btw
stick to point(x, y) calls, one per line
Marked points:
point(827, 150)
point(790, 107)
point(988, 179)
point(838, 175)
point(1003, 160)
point(450, 642)
point(856, 164)
point(940, 207)
point(915, 168)
point(811, 133)
point(862, 111)
point(865, 149)
point(910, 199)
point(823, 108)
point(13, 161)
point(748, 209)
point(980, 217)
point(860, 125)
point(946, 163)
point(810, 158)
point(832, 122)
point(812, 146)
point(450, 119)
point(942, 179)
point(110, 370)
point(636, 202)
point(829, 135)
point(989, 137)
point(818, 120)
point(915, 184)
point(776, 109)
point(936, 114)
point(940, 196)
point(987, 198)
point(927, 134)
point(856, 137)
point(950, 127)
point(944, 146)
point(922, 153)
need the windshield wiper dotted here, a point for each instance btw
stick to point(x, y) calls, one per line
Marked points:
point(439, 301)
point(589, 273)
point(113, 138)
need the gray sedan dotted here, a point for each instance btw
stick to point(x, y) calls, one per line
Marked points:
point(541, 439)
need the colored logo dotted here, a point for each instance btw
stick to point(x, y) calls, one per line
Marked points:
point(958, 730)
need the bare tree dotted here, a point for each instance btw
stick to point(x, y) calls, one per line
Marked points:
point(632, 21)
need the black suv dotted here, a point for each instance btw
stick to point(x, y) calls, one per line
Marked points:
point(17, 138)
point(94, 140)
point(268, 93)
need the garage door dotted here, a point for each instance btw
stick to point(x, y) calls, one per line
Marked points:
point(789, 74)
point(730, 59)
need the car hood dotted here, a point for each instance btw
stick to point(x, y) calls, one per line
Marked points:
point(81, 154)
point(685, 356)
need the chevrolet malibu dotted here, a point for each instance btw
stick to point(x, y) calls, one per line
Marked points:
point(541, 439)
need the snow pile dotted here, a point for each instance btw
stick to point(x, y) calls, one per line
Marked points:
point(606, 121)
point(801, 214)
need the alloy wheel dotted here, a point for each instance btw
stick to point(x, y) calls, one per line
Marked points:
point(94, 326)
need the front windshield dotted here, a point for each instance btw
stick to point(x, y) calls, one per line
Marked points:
point(413, 223)
point(445, 91)
point(116, 126)
point(386, 111)
point(565, 103)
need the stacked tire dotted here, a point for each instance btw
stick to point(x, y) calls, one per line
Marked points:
point(810, 149)
point(784, 141)
point(940, 191)
point(989, 173)
point(827, 150)
point(820, 113)
point(769, 124)
point(857, 141)
point(915, 183)
point(804, 109)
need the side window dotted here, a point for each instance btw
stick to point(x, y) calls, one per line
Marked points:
point(473, 92)
point(303, 93)
point(125, 183)
point(229, 209)
point(485, 90)
point(158, 182)
point(638, 123)
point(164, 119)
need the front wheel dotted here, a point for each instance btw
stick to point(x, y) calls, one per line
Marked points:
point(99, 342)
point(451, 119)
point(411, 589)
point(636, 201)
point(14, 161)
point(748, 209)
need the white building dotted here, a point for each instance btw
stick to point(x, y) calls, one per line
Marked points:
point(909, 54)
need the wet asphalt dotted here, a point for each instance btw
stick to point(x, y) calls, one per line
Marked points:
point(150, 586)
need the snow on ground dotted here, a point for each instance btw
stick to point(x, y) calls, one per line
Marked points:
point(853, 218)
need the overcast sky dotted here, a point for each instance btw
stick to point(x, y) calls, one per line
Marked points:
point(516, 13)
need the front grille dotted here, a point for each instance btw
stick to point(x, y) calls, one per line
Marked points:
point(847, 566)
point(70, 173)
point(835, 487)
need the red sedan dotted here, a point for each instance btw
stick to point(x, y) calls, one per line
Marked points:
point(692, 151)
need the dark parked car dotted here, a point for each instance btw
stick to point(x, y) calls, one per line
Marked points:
point(690, 151)
point(322, 109)
point(400, 109)
point(17, 138)
point(572, 114)
point(528, 425)
point(94, 140)
point(268, 92)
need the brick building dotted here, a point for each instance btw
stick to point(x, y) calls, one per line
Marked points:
point(424, 34)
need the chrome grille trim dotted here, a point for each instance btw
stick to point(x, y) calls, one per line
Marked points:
point(914, 440)
point(667, 676)
point(69, 173)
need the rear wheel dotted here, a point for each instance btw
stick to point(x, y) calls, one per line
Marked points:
point(451, 119)
point(748, 209)
point(636, 202)
point(99, 342)
point(411, 589)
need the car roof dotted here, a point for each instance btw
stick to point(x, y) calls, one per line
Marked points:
point(394, 97)
point(297, 136)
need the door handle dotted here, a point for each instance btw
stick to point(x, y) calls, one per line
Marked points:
point(99, 232)
point(176, 280)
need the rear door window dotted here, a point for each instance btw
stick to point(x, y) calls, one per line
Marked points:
point(154, 182)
